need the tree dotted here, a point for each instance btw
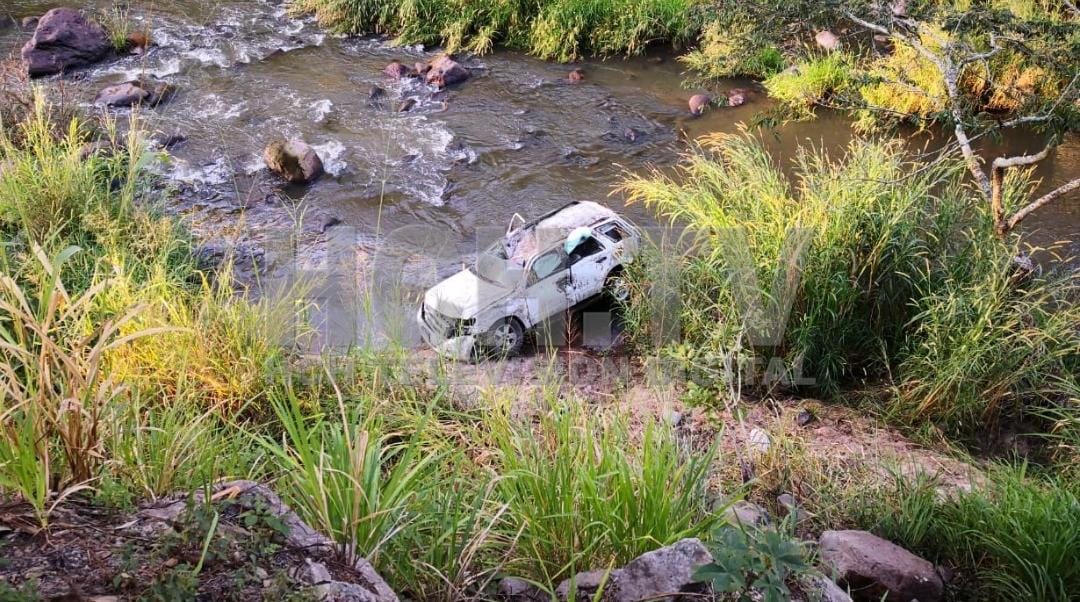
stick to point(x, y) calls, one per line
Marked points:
point(963, 51)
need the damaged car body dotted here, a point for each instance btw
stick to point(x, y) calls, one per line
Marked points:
point(538, 270)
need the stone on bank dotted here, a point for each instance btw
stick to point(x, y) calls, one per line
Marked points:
point(64, 39)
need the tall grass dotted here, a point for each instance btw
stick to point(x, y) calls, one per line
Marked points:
point(553, 29)
point(54, 389)
point(585, 495)
point(902, 279)
point(867, 226)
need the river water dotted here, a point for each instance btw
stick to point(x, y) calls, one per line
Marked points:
point(516, 138)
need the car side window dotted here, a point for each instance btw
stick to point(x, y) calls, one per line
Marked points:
point(588, 247)
point(546, 265)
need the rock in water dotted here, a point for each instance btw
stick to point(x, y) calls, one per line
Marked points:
point(122, 95)
point(133, 93)
point(737, 97)
point(63, 40)
point(397, 71)
point(873, 568)
point(445, 71)
point(698, 103)
point(293, 160)
point(827, 40)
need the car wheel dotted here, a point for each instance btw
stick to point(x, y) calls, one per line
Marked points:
point(617, 288)
point(506, 337)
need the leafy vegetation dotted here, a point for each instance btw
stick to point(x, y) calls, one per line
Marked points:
point(755, 560)
point(563, 30)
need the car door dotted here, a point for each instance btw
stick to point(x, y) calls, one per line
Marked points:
point(548, 287)
point(589, 263)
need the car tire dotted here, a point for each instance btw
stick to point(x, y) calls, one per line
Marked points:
point(616, 288)
point(505, 338)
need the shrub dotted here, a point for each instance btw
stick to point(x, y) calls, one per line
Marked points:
point(866, 234)
point(902, 276)
point(734, 49)
point(811, 81)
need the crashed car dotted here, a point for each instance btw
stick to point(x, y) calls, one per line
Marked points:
point(538, 270)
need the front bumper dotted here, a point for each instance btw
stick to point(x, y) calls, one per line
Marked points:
point(462, 348)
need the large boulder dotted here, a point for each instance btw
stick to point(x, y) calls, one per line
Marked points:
point(445, 71)
point(63, 40)
point(293, 160)
point(873, 568)
point(658, 575)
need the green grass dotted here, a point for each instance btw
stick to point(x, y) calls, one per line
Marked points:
point(810, 81)
point(584, 494)
point(562, 30)
point(1015, 538)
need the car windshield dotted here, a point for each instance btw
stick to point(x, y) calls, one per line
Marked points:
point(493, 266)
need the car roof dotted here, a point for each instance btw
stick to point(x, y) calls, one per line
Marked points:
point(552, 228)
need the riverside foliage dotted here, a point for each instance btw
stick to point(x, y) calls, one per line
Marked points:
point(127, 372)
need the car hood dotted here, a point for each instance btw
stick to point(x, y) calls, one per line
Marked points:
point(463, 295)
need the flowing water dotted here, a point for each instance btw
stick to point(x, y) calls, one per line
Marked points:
point(516, 138)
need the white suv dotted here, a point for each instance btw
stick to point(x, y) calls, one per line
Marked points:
point(538, 270)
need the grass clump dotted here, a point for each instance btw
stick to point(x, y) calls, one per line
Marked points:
point(811, 81)
point(585, 495)
point(1013, 538)
point(562, 30)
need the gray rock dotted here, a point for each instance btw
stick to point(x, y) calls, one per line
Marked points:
point(512, 589)
point(63, 40)
point(293, 160)
point(698, 103)
point(585, 585)
point(758, 441)
point(445, 71)
point(823, 589)
point(654, 576)
point(793, 508)
point(747, 514)
point(666, 570)
point(122, 95)
point(872, 568)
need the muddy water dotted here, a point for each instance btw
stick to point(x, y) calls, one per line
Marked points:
point(516, 138)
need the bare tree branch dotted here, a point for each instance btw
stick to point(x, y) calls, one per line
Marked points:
point(1041, 201)
point(997, 184)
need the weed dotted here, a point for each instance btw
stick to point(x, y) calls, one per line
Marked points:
point(754, 562)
